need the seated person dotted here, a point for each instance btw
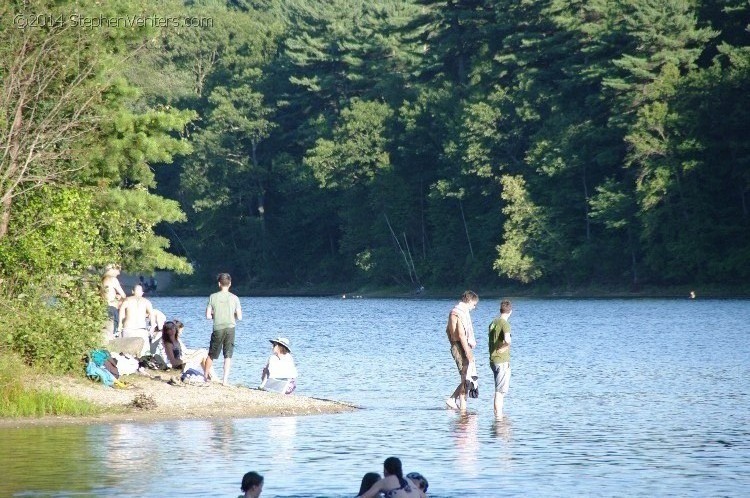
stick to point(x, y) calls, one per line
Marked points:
point(171, 345)
point(159, 319)
point(394, 484)
point(193, 358)
point(280, 374)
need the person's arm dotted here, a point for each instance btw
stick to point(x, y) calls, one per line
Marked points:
point(238, 310)
point(374, 490)
point(464, 341)
point(209, 311)
point(505, 345)
point(123, 311)
point(265, 373)
point(119, 293)
point(151, 317)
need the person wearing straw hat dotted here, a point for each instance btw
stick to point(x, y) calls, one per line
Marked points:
point(280, 373)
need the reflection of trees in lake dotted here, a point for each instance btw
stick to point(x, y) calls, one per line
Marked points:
point(51, 460)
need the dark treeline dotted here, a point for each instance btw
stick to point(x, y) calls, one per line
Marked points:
point(420, 142)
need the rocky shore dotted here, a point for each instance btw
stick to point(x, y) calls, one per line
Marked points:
point(161, 396)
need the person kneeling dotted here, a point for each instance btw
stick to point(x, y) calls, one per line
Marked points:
point(280, 374)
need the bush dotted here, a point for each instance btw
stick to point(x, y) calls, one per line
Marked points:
point(52, 332)
point(18, 401)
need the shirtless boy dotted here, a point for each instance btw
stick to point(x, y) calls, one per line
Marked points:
point(460, 333)
point(112, 294)
point(134, 312)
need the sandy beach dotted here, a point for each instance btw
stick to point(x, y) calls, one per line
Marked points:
point(154, 398)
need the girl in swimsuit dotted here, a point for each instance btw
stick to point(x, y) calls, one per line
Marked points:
point(394, 484)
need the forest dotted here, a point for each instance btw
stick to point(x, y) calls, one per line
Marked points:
point(379, 143)
point(466, 142)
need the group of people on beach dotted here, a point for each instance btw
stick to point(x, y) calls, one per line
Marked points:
point(460, 332)
point(392, 484)
point(134, 318)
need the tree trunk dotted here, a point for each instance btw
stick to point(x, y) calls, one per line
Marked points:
point(5, 215)
point(466, 228)
point(14, 148)
point(586, 205)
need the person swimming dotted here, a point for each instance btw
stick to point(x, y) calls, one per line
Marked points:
point(394, 484)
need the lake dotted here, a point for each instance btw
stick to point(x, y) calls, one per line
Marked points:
point(611, 397)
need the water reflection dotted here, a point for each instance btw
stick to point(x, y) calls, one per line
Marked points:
point(282, 432)
point(466, 437)
point(501, 429)
point(501, 434)
point(222, 436)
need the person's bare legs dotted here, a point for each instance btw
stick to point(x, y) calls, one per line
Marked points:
point(227, 364)
point(460, 392)
point(208, 369)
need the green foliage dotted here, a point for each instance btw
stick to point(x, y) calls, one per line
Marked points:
point(402, 142)
point(52, 326)
point(357, 154)
point(77, 189)
point(18, 399)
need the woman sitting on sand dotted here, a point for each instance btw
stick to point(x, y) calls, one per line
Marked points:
point(280, 366)
point(171, 345)
point(193, 358)
point(394, 484)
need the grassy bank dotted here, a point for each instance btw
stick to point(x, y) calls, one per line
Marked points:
point(19, 399)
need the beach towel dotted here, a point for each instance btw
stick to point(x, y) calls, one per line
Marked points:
point(98, 373)
point(462, 310)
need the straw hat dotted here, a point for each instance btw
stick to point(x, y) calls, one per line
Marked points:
point(282, 341)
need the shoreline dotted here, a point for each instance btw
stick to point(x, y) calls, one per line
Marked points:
point(491, 293)
point(167, 402)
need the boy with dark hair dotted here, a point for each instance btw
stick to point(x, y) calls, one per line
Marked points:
point(252, 485)
point(223, 308)
point(499, 344)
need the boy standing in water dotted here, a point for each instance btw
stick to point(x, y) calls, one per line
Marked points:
point(499, 343)
point(460, 333)
point(223, 308)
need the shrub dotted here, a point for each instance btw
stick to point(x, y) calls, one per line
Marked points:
point(52, 332)
point(16, 400)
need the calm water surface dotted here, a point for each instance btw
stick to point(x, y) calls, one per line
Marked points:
point(607, 398)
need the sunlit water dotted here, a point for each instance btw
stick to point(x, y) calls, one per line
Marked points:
point(607, 398)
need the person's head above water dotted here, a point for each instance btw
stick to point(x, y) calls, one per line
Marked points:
point(252, 484)
point(367, 481)
point(419, 480)
point(392, 467)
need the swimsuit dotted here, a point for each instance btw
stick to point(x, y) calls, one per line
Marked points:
point(392, 492)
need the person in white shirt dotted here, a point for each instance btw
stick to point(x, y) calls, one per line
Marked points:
point(280, 365)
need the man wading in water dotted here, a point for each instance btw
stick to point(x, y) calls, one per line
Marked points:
point(460, 333)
